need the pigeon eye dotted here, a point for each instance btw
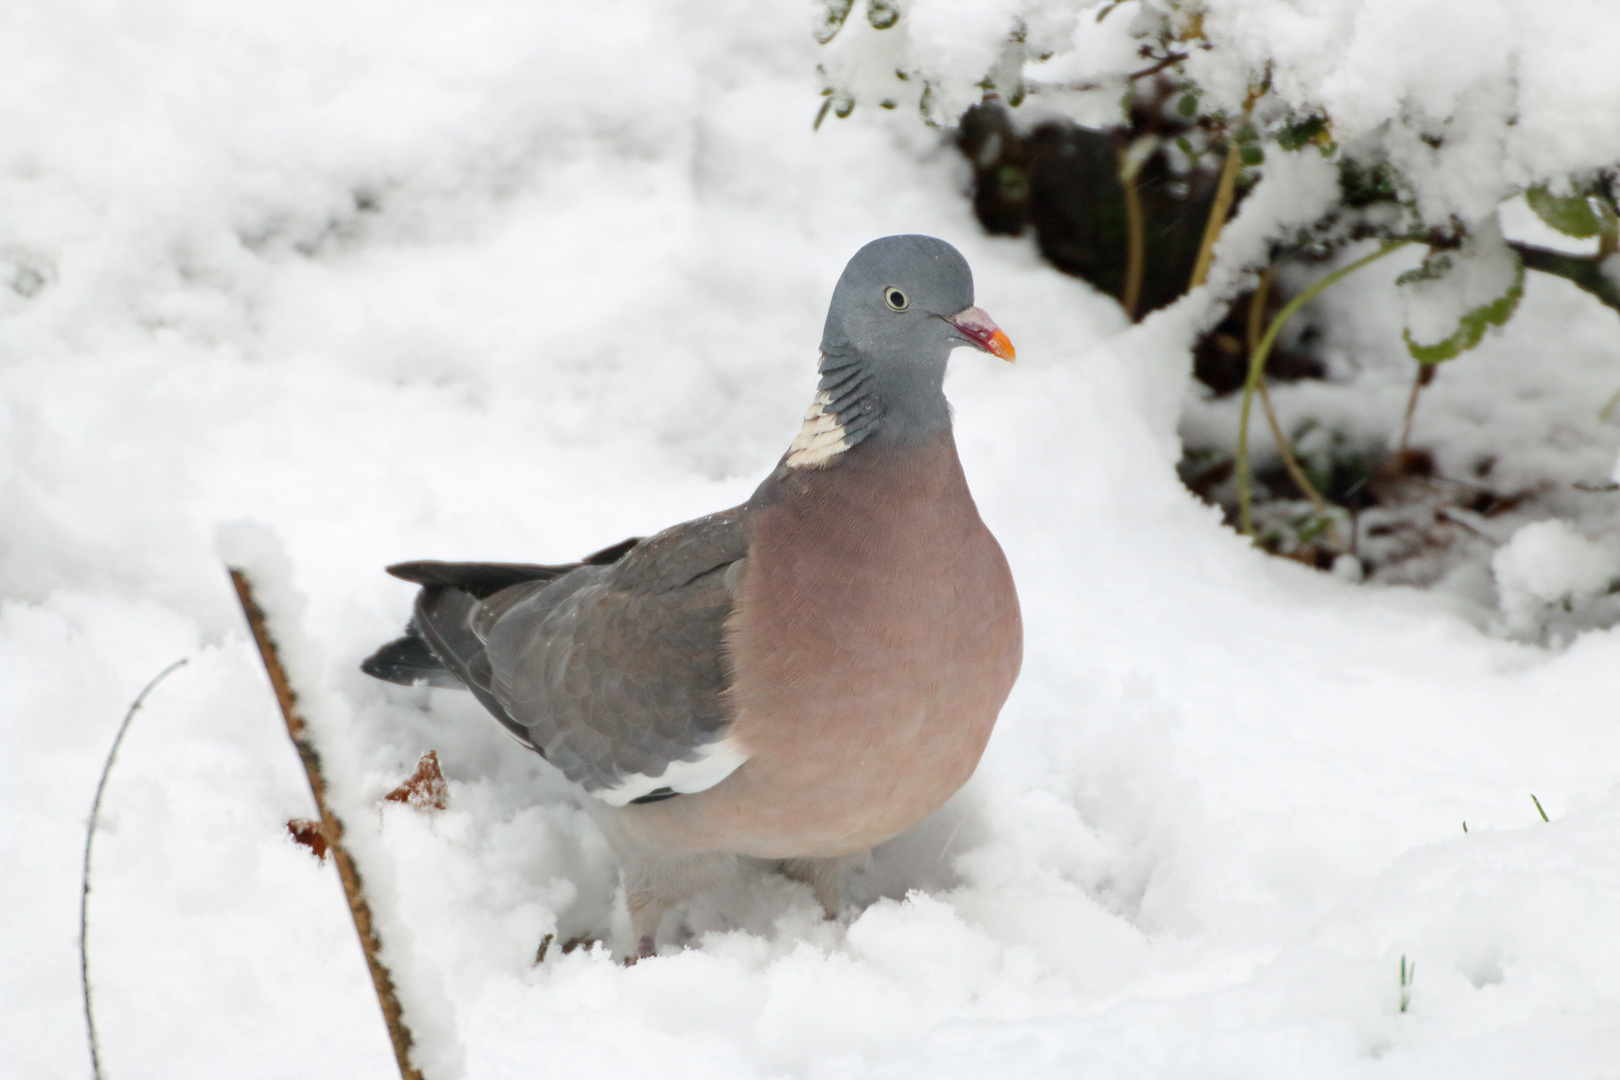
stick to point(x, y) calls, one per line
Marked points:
point(895, 299)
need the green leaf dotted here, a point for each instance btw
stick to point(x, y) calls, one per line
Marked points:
point(1362, 185)
point(831, 20)
point(1251, 155)
point(1187, 106)
point(1299, 133)
point(925, 105)
point(882, 14)
point(1472, 326)
point(1571, 215)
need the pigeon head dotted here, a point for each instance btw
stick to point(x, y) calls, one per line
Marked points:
point(900, 307)
point(908, 298)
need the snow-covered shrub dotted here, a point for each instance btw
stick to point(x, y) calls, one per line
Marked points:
point(1257, 145)
point(1435, 137)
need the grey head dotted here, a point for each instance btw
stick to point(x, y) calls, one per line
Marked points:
point(900, 307)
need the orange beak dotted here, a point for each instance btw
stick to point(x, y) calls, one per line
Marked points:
point(981, 332)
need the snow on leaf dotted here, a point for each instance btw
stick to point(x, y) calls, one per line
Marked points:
point(831, 19)
point(1456, 296)
point(882, 14)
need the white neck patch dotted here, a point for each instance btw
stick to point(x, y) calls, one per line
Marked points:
point(820, 439)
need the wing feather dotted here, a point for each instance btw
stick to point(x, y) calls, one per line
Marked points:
point(617, 672)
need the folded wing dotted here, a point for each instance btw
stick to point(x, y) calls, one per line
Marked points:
point(612, 668)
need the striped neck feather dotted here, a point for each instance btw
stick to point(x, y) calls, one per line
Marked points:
point(842, 414)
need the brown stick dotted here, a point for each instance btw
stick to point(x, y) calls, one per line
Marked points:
point(331, 827)
point(1170, 60)
point(1224, 191)
point(1425, 375)
point(1135, 234)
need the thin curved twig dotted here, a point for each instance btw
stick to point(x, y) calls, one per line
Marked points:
point(1257, 367)
point(1585, 271)
point(1425, 375)
point(1296, 472)
point(89, 844)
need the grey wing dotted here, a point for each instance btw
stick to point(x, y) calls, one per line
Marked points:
point(617, 673)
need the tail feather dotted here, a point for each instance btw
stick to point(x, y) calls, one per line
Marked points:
point(440, 647)
point(409, 662)
point(441, 620)
point(481, 580)
point(477, 580)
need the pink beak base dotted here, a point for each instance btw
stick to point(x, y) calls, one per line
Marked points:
point(981, 330)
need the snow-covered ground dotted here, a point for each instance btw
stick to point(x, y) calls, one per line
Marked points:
point(506, 281)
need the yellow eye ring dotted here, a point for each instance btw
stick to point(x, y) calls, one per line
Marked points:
point(896, 299)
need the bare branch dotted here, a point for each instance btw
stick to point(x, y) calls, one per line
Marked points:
point(382, 979)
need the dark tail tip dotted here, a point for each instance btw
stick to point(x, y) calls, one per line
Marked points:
point(409, 662)
point(478, 580)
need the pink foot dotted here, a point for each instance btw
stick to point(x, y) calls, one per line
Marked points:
point(644, 949)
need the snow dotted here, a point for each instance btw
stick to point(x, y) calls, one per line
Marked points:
point(514, 282)
point(1548, 562)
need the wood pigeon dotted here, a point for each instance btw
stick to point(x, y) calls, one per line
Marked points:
point(798, 678)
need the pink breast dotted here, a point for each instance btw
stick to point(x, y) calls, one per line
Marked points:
point(876, 637)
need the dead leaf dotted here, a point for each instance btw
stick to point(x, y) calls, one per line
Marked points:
point(426, 789)
point(309, 834)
